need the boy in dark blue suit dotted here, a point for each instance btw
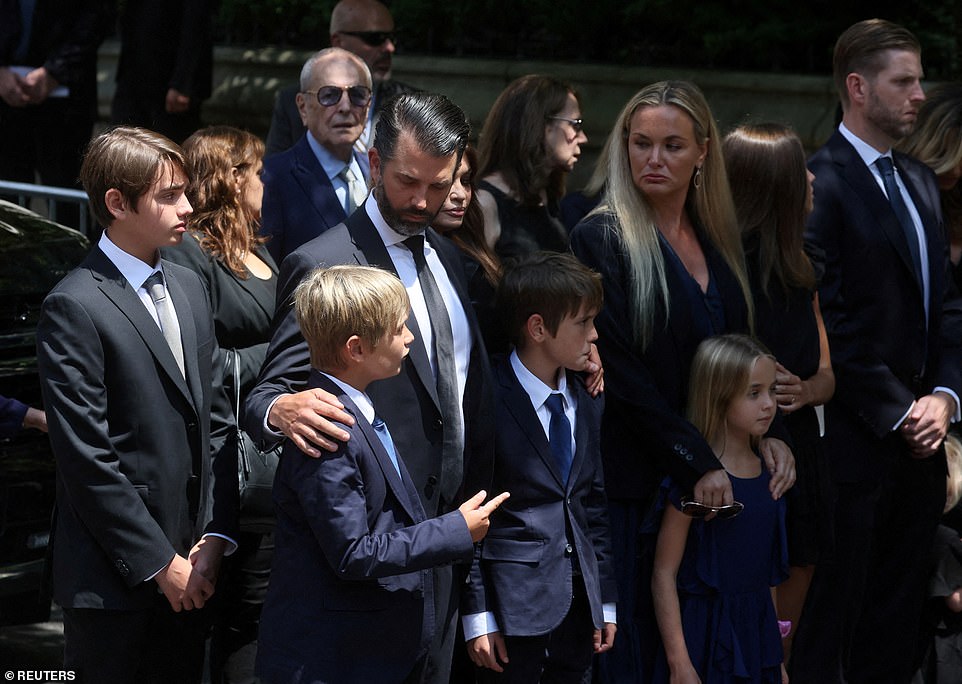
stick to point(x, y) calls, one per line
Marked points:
point(541, 593)
point(351, 592)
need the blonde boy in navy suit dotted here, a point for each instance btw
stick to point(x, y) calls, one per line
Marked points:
point(541, 593)
point(351, 591)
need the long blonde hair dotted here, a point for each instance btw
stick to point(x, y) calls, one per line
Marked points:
point(709, 206)
point(720, 372)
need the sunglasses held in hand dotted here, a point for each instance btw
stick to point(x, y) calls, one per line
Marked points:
point(330, 95)
point(696, 509)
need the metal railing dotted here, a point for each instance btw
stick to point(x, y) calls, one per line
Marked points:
point(27, 192)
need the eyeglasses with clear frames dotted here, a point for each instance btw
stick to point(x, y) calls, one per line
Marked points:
point(330, 95)
point(576, 124)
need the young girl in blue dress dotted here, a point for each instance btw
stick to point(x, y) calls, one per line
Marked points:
point(715, 567)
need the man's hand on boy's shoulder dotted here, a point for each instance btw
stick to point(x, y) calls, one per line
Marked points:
point(309, 419)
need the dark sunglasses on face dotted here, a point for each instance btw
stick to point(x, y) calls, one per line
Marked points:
point(373, 38)
point(696, 509)
point(576, 124)
point(330, 95)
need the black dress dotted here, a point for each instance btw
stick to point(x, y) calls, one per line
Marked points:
point(242, 308)
point(526, 229)
point(785, 323)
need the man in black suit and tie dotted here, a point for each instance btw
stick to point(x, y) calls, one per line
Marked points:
point(126, 352)
point(884, 294)
point(366, 28)
point(439, 406)
point(322, 179)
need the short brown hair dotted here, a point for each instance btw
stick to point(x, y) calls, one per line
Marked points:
point(551, 284)
point(862, 47)
point(333, 304)
point(126, 159)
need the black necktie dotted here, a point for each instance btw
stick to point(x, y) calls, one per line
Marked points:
point(452, 450)
point(887, 170)
point(559, 434)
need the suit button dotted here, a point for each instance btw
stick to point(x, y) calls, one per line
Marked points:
point(568, 549)
point(191, 426)
point(568, 501)
point(688, 457)
point(432, 480)
point(122, 567)
point(677, 447)
point(438, 424)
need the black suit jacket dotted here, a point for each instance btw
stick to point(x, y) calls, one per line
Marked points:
point(287, 127)
point(129, 432)
point(885, 351)
point(523, 570)
point(299, 200)
point(166, 44)
point(645, 434)
point(407, 402)
point(351, 593)
point(64, 39)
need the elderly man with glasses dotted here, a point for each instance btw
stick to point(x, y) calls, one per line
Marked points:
point(322, 179)
point(366, 28)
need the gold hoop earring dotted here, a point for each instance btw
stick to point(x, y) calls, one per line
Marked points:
point(696, 181)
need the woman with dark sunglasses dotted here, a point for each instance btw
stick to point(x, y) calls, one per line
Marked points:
point(530, 141)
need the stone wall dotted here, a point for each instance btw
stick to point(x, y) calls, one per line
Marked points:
point(245, 81)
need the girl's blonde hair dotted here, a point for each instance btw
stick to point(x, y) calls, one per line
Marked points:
point(719, 373)
point(709, 205)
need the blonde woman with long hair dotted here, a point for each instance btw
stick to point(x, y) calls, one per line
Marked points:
point(667, 245)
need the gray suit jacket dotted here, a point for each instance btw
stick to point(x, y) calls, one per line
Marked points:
point(136, 482)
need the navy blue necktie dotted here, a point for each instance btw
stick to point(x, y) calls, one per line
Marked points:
point(887, 170)
point(383, 434)
point(559, 434)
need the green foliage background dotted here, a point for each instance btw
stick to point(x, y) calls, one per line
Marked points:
point(752, 35)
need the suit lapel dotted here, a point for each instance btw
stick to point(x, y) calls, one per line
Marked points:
point(519, 406)
point(123, 295)
point(314, 183)
point(390, 473)
point(925, 201)
point(373, 251)
point(188, 336)
point(863, 183)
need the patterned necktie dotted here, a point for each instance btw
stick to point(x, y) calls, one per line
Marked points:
point(452, 450)
point(559, 434)
point(165, 313)
point(887, 170)
point(383, 434)
point(356, 190)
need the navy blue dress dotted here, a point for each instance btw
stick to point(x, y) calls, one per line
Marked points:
point(724, 588)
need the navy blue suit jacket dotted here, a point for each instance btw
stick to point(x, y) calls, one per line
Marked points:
point(885, 353)
point(12, 413)
point(408, 402)
point(299, 200)
point(351, 591)
point(645, 434)
point(523, 568)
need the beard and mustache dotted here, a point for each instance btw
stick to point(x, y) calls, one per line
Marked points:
point(393, 217)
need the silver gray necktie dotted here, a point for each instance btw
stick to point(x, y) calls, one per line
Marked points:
point(165, 313)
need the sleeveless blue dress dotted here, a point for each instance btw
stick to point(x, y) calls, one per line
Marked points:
point(724, 581)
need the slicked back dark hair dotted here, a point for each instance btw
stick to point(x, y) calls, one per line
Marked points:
point(438, 126)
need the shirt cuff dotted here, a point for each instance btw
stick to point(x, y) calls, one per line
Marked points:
point(232, 544)
point(901, 420)
point(478, 624)
point(609, 613)
point(269, 429)
point(957, 416)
